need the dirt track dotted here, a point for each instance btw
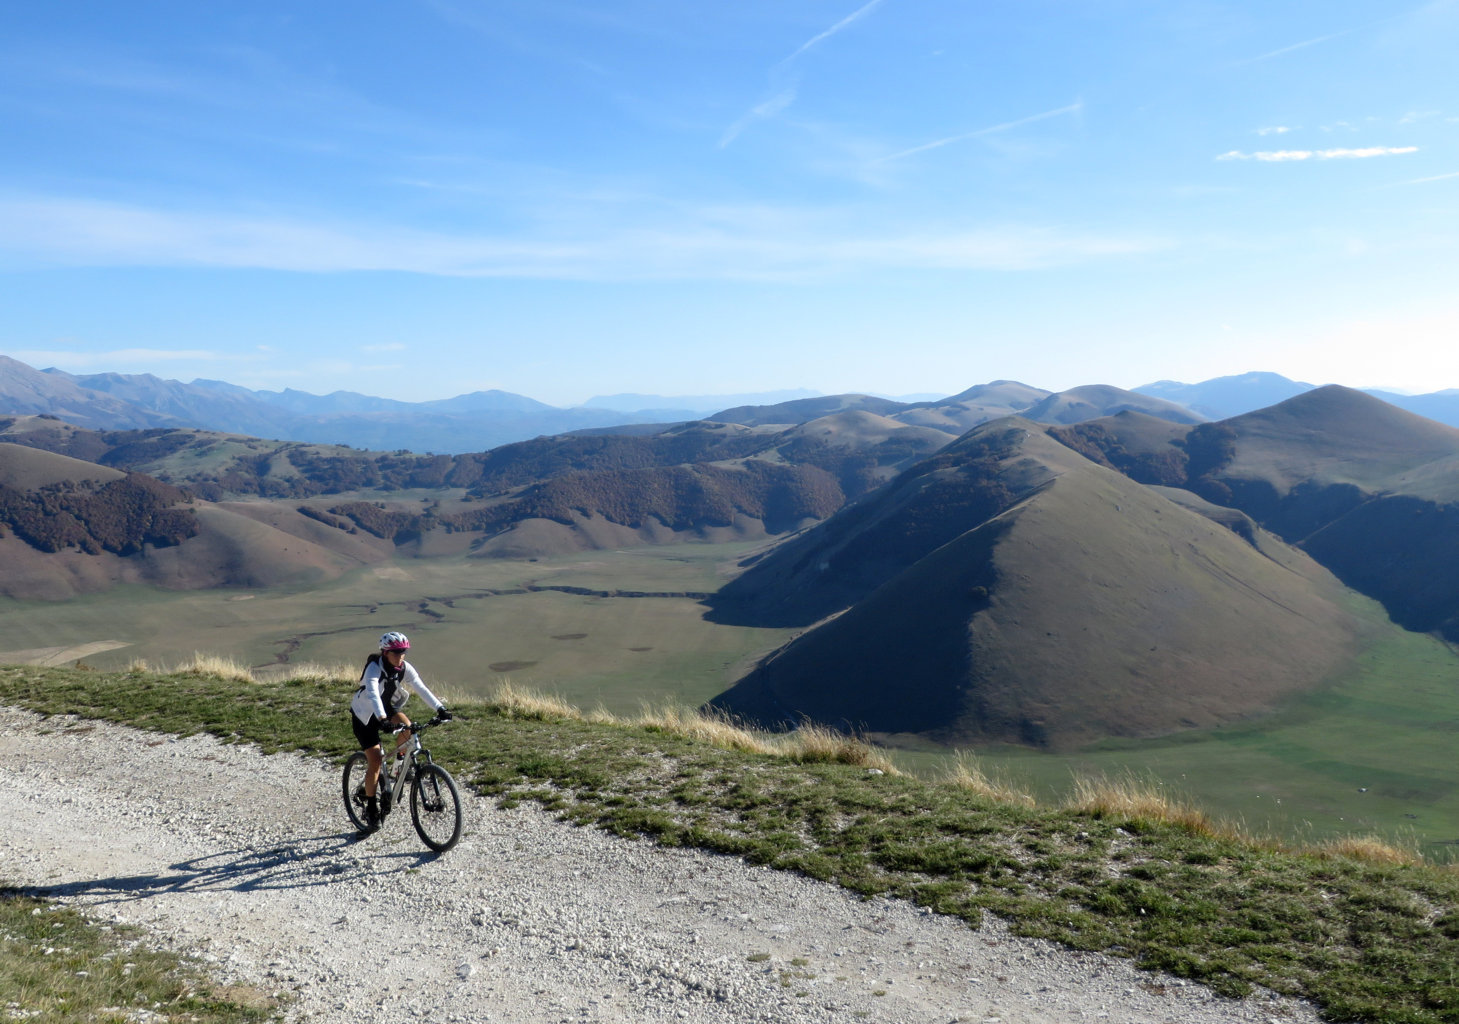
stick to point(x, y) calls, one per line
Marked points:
point(247, 862)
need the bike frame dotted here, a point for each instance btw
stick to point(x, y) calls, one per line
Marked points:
point(414, 754)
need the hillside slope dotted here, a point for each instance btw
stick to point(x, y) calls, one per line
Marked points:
point(69, 527)
point(1369, 490)
point(1020, 593)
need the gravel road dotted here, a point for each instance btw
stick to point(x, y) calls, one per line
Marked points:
point(248, 863)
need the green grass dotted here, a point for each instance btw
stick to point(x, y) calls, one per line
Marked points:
point(1375, 753)
point(1368, 939)
point(56, 966)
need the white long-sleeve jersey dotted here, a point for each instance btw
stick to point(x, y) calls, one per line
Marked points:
point(376, 687)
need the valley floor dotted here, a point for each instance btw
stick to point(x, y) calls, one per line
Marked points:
point(247, 862)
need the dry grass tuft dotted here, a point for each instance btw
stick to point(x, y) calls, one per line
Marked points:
point(601, 716)
point(520, 702)
point(966, 774)
point(310, 672)
point(214, 665)
point(1134, 800)
point(714, 728)
point(1369, 850)
point(138, 667)
point(811, 743)
point(808, 744)
point(451, 695)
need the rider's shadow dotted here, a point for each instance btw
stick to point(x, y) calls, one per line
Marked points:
point(293, 864)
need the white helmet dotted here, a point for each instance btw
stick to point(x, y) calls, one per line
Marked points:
point(394, 641)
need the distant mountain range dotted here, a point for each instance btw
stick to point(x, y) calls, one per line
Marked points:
point(487, 419)
point(1224, 397)
point(481, 420)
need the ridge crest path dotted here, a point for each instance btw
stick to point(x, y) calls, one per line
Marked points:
point(247, 862)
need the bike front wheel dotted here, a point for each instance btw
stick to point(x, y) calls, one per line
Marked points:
point(354, 792)
point(435, 807)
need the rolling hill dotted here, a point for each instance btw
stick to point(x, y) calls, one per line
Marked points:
point(1126, 576)
point(69, 527)
point(535, 498)
point(1010, 590)
point(1369, 490)
point(969, 408)
point(695, 479)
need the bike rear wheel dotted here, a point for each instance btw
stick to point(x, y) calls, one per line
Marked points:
point(354, 792)
point(435, 807)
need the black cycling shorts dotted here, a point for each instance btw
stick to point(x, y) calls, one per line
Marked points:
point(368, 733)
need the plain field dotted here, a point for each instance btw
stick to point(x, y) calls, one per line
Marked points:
point(469, 630)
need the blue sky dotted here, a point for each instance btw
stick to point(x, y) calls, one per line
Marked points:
point(422, 198)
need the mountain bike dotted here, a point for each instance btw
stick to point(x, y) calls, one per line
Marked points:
point(435, 803)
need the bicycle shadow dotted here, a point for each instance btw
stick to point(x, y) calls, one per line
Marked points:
point(291, 864)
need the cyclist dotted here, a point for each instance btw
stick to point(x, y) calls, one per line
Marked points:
point(385, 686)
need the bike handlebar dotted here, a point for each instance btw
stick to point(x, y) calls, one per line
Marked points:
point(418, 727)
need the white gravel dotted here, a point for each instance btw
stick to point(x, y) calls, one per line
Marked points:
point(248, 863)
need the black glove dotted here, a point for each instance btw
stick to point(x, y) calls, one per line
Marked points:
point(442, 714)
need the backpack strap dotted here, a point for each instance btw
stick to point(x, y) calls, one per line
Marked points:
point(373, 659)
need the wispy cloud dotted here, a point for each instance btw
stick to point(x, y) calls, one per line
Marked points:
point(685, 243)
point(769, 108)
point(1424, 181)
point(1315, 41)
point(783, 96)
point(816, 40)
point(1072, 108)
point(1292, 155)
point(1411, 16)
point(1280, 129)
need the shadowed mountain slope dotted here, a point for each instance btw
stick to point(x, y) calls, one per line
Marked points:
point(1010, 590)
point(1144, 448)
point(1330, 435)
point(1369, 490)
point(840, 561)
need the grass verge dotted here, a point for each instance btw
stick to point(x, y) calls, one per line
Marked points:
point(1367, 934)
point(57, 966)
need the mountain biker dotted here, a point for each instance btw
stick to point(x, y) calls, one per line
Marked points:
point(385, 686)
